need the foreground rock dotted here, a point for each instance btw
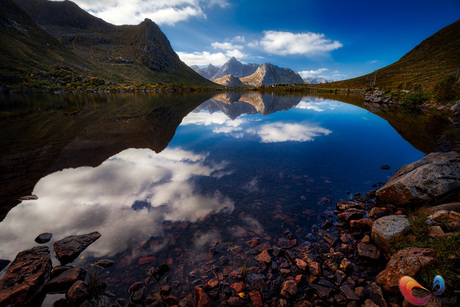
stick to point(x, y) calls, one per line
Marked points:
point(432, 177)
point(388, 227)
point(26, 277)
point(408, 261)
point(68, 249)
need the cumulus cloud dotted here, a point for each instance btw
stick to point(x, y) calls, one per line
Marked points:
point(160, 11)
point(288, 43)
point(220, 122)
point(285, 132)
point(312, 73)
point(127, 198)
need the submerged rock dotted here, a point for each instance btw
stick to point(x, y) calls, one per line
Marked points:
point(26, 277)
point(432, 177)
point(44, 237)
point(65, 279)
point(68, 249)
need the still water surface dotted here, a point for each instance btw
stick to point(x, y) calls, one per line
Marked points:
point(237, 166)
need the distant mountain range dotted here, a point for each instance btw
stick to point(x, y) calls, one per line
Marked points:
point(39, 35)
point(236, 74)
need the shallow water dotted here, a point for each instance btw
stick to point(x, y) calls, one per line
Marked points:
point(165, 178)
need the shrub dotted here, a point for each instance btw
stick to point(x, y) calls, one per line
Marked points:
point(444, 90)
point(414, 99)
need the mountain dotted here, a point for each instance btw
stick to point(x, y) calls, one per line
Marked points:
point(129, 53)
point(230, 81)
point(316, 80)
point(269, 74)
point(430, 61)
point(207, 72)
point(235, 68)
point(24, 45)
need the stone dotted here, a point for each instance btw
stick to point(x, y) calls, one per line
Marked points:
point(286, 243)
point(256, 299)
point(351, 214)
point(444, 216)
point(263, 246)
point(201, 298)
point(346, 265)
point(136, 286)
point(369, 303)
point(375, 294)
point(289, 289)
point(138, 296)
point(257, 281)
point(63, 281)
point(368, 251)
point(301, 264)
point(454, 206)
point(105, 263)
point(314, 268)
point(349, 293)
point(378, 212)
point(78, 293)
point(331, 238)
point(69, 248)
point(408, 261)
point(43, 238)
point(321, 290)
point(26, 277)
point(238, 287)
point(432, 177)
point(361, 223)
point(264, 256)
point(253, 242)
point(170, 300)
point(456, 107)
point(388, 227)
point(385, 167)
point(436, 232)
point(366, 239)
point(340, 276)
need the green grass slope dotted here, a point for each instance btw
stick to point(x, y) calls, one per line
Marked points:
point(430, 61)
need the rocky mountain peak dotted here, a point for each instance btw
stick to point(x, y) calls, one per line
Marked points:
point(269, 74)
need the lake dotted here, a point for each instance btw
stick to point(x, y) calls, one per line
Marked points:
point(167, 178)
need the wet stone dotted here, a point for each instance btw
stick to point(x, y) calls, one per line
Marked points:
point(256, 298)
point(238, 287)
point(322, 290)
point(289, 289)
point(138, 296)
point(368, 251)
point(286, 243)
point(105, 263)
point(63, 281)
point(136, 286)
point(78, 293)
point(263, 246)
point(44, 238)
point(236, 301)
point(349, 293)
point(69, 248)
point(264, 256)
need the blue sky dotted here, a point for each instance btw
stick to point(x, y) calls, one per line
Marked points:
point(335, 39)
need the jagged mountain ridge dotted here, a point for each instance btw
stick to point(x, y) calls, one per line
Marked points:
point(131, 53)
point(231, 67)
point(269, 74)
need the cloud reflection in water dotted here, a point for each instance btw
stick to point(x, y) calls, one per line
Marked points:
point(126, 198)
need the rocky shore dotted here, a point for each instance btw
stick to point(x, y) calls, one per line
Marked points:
point(356, 257)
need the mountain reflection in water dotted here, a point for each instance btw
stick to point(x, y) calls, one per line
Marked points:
point(164, 178)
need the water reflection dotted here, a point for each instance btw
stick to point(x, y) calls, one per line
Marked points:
point(127, 198)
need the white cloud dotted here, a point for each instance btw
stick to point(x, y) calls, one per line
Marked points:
point(288, 43)
point(205, 57)
point(285, 132)
point(160, 11)
point(85, 199)
point(312, 73)
point(226, 46)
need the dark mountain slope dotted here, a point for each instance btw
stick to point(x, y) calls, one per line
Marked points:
point(431, 60)
point(24, 45)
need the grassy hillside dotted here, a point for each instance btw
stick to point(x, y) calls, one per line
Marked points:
point(73, 50)
point(430, 61)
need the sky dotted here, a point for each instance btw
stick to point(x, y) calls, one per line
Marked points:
point(334, 39)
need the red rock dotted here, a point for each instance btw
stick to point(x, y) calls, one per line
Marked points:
point(238, 287)
point(254, 242)
point(351, 214)
point(26, 277)
point(369, 251)
point(201, 298)
point(301, 264)
point(263, 246)
point(256, 298)
point(286, 244)
point(289, 289)
point(78, 293)
point(135, 286)
point(285, 271)
point(68, 249)
point(321, 290)
point(314, 268)
point(236, 301)
point(63, 281)
point(349, 293)
point(300, 279)
point(264, 256)
point(408, 261)
point(361, 223)
point(211, 284)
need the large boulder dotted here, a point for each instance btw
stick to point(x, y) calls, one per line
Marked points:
point(26, 277)
point(68, 249)
point(388, 227)
point(430, 178)
point(406, 262)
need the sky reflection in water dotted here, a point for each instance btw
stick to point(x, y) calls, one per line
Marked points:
point(262, 172)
